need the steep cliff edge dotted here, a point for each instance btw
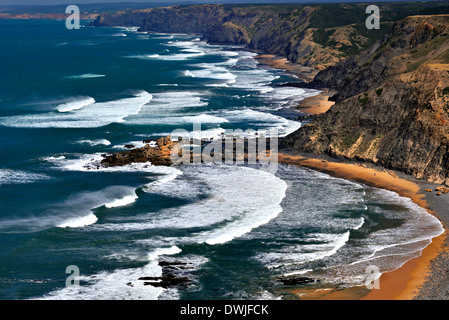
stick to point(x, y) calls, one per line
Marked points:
point(392, 105)
point(296, 32)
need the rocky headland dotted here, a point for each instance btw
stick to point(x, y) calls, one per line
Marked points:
point(315, 35)
point(391, 105)
point(392, 86)
point(157, 152)
point(166, 151)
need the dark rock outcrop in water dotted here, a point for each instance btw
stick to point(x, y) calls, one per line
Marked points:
point(158, 155)
point(159, 152)
point(392, 103)
point(173, 275)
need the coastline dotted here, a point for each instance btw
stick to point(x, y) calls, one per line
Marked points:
point(316, 104)
point(311, 105)
point(301, 72)
point(405, 282)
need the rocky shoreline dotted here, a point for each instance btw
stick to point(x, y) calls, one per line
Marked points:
point(155, 151)
point(162, 151)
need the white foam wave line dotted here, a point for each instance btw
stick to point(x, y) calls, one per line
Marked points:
point(218, 85)
point(79, 222)
point(86, 76)
point(170, 57)
point(97, 142)
point(338, 245)
point(165, 179)
point(110, 197)
point(237, 210)
point(321, 253)
point(211, 72)
point(155, 254)
point(11, 176)
point(421, 241)
point(362, 222)
point(111, 285)
point(188, 73)
point(129, 29)
point(81, 117)
point(187, 119)
point(294, 273)
point(250, 220)
point(281, 125)
point(207, 134)
point(136, 144)
point(75, 105)
point(373, 255)
point(114, 285)
point(119, 35)
point(122, 201)
point(238, 228)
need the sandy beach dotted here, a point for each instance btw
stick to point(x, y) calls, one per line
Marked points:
point(405, 282)
point(316, 104)
point(417, 277)
point(303, 73)
point(310, 105)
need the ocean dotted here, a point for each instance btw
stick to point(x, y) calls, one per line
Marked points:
point(73, 231)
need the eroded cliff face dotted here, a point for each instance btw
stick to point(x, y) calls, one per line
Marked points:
point(287, 31)
point(392, 89)
point(392, 103)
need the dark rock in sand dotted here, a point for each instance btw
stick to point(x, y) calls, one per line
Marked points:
point(297, 281)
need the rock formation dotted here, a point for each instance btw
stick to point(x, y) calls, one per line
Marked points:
point(159, 154)
point(392, 85)
point(294, 31)
point(392, 103)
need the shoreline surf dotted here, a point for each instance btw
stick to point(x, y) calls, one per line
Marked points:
point(402, 283)
point(405, 282)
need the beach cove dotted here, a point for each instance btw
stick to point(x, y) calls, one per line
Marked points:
point(416, 277)
point(128, 225)
point(405, 282)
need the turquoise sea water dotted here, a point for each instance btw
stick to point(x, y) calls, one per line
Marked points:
point(69, 96)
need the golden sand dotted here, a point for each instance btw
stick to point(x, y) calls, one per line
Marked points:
point(401, 284)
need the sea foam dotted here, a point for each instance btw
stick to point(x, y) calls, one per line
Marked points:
point(230, 210)
point(76, 115)
point(75, 105)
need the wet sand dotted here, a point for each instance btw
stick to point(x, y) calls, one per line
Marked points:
point(317, 104)
point(422, 277)
point(303, 73)
point(405, 282)
point(311, 105)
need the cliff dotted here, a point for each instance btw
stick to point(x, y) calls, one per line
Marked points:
point(392, 84)
point(392, 103)
point(296, 32)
